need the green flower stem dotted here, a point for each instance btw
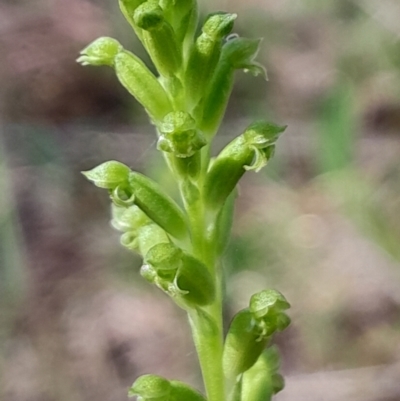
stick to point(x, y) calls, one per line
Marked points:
point(207, 327)
point(197, 231)
point(208, 338)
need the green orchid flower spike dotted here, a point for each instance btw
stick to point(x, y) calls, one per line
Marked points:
point(182, 241)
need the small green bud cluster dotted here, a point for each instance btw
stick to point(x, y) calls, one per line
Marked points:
point(151, 223)
point(182, 244)
point(251, 330)
point(195, 74)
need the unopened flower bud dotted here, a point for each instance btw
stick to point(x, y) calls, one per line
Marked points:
point(108, 175)
point(182, 392)
point(205, 54)
point(149, 15)
point(218, 25)
point(157, 205)
point(267, 301)
point(267, 308)
point(128, 219)
point(249, 151)
point(194, 278)
point(142, 84)
point(164, 257)
point(128, 8)
point(182, 16)
point(149, 236)
point(151, 388)
point(180, 275)
point(179, 135)
point(243, 345)
point(156, 388)
point(238, 53)
point(158, 38)
point(100, 52)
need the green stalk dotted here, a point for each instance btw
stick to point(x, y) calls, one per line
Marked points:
point(207, 326)
point(208, 339)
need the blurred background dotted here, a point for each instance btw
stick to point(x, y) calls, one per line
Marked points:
point(321, 224)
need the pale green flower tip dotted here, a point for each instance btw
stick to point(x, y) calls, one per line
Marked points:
point(219, 24)
point(130, 241)
point(148, 16)
point(151, 387)
point(128, 218)
point(100, 52)
point(241, 53)
point(263, 133)
point(261, 137)
point(148, 273)
point(256, 69)
point(121, 196)
point(108, 175)
point(261, 157)
point(268, 301)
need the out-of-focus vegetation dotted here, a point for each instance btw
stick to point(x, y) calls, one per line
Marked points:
point(323, 226)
